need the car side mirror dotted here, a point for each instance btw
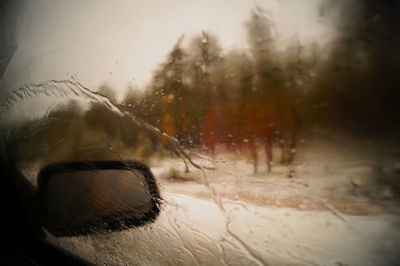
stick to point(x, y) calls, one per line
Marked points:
point(78, 198)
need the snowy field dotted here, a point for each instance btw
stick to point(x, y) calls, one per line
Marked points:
point(333, 210)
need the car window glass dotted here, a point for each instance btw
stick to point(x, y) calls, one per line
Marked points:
point(271, 127)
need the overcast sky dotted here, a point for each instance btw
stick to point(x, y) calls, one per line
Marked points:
point(121, 42)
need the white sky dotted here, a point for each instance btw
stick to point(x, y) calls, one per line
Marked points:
point(121, 42)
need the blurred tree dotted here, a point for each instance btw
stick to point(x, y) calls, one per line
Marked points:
point(271, 91)
point(108, 92)
point(207, 84)
point(166, 100)
point(132, 97)
point(358, 86)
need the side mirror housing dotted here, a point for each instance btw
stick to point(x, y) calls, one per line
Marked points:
point(78, 198)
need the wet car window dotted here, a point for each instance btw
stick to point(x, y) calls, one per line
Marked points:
point(270, 127)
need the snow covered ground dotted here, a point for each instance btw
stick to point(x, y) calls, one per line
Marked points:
point(190, 231)
point(334, 211)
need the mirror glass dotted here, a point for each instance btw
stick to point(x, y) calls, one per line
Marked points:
point(85, 197)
